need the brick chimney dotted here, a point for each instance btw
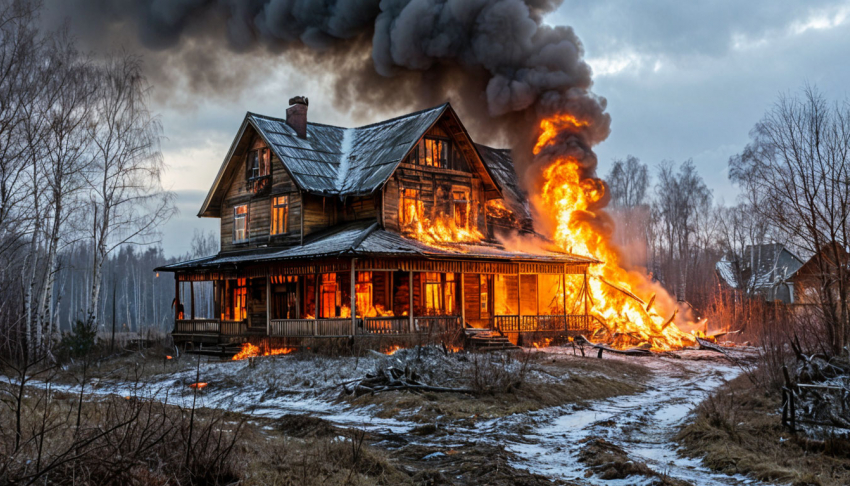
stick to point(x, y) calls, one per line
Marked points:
point(296, 115)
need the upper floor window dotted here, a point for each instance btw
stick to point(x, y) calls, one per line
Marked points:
point(280, 215)
point(240, 223)
point(411, 206)
point(461, 207)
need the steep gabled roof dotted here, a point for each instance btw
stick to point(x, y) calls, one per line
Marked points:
point(340, 161)
point(501, 165)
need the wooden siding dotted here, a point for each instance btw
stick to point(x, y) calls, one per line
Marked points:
point(259, 207)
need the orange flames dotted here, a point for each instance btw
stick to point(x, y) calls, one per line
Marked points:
point(572, 199)
point(392, 350)
point(251, 351)
point(442, 230)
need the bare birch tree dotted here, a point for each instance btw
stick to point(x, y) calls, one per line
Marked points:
point(128, 202)
point(796, 172)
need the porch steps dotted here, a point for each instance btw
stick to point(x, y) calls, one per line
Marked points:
point(487, 340)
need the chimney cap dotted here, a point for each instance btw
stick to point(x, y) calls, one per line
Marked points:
point(299, 100)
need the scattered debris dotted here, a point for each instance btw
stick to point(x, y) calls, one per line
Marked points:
point(391, 379)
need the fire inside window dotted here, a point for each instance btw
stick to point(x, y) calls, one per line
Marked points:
point(433, 152)
point(484, 295)
point(280, 215)
point(240, 300)
point(410, 206)
point(363, 290)
point(436, 152)
point(461, 208)
point(240, 223)
point(329, 295)
point(440, 291)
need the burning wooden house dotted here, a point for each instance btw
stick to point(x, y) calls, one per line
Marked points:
point(386, 229)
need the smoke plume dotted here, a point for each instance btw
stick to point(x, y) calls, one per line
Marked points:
point(495, 60)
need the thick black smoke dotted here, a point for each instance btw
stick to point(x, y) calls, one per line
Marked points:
point(499, 64)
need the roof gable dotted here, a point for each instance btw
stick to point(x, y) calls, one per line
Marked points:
point(344, 161)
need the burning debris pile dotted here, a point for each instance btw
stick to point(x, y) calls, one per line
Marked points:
point(251, 351)
point(574, 198)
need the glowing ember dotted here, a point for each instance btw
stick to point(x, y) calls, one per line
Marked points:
point(199, 386)
point(391, 350)
point(544, 344)
point(251, 351)
point(573, 199)
point(168, 357)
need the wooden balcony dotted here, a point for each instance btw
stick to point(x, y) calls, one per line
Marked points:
point(547, 323)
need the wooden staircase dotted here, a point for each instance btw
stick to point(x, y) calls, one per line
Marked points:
point(487, 340)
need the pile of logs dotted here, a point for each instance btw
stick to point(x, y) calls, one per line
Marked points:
point(392, 379)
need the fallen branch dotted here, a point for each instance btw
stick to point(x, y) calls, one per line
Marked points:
point(627, 352)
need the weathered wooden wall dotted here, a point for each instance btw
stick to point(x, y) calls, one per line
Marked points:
point(259, 207)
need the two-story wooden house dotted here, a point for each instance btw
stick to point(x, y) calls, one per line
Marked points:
point(389, 228)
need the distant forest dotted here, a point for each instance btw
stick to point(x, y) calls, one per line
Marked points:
point(133, 297)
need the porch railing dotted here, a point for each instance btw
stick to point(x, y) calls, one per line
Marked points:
point(233, 328)
point(310, 327)
point(210, 326)
point(196, 326)
point(569, 322)
point(436, 324)
point(386, 325)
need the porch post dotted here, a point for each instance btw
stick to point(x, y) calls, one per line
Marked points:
point(518, 298)
point(410, 300)
point(176, 298)
point(192, 298)
point(353, 298)
point(564, 292)
point(462, 302)
point(216, 299)
point(268, 304)
point(316, 306)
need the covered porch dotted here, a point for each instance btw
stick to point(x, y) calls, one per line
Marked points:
point(362, 281)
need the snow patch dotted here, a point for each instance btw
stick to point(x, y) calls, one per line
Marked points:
point(345, 157)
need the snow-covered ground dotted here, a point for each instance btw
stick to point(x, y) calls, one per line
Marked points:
point(545, 442)
point(643, 425)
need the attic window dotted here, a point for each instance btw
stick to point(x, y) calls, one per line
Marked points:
point(258, 163)
point(437, 152)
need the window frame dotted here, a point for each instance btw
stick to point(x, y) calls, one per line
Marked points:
point(262, 156)
point(276, 229)
point(237, 216)
point(466, 205)
point(417, 202)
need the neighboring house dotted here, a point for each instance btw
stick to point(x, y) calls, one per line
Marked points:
point(764, 270)
point(818, 270)
point(388, 228)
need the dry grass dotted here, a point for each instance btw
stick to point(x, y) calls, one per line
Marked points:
point(508, 384)
point(738, 431)
point(610, 461)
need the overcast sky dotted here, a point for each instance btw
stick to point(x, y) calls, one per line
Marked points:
point(682, 79)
